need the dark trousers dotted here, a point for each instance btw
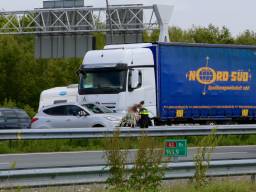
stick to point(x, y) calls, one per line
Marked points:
point(144, 121)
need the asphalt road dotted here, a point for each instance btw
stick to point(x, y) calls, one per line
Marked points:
point(89, 158)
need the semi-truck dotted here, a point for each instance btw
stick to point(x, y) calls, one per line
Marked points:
point(58, 95)
point(178, 82)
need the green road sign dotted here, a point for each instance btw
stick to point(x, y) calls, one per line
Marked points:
point(175, 148)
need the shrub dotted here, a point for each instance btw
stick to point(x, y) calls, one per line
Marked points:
point(116, 156)
point(203, 156)
point(146, 173)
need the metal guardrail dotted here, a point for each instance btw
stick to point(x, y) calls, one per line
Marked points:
point(74, 133)
point(99, 174)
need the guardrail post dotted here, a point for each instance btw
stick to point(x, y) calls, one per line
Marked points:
point(253, 178)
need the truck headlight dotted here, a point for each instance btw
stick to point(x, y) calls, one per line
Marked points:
point(110, 118)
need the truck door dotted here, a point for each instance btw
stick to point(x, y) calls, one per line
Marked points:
point(135, 91)
point(141, 87)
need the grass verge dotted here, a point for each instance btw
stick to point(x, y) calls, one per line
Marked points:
point(216, 186)
point(226, 186)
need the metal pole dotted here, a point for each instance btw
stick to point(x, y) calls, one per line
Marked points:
point(253, 178)
point(110, 22)
point(163, 15)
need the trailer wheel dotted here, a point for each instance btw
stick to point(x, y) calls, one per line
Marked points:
point(158, 122)
point(211, 123)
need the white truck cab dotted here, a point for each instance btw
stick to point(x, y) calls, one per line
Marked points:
point(58, 95)
point(118, 77)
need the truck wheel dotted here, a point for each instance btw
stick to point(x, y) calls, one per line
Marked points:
point(98, 125)
point(158, 122)
point(211, 123)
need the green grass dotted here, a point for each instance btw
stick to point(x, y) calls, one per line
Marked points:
point(98, 144)
point(49, 145)
point(225, 186)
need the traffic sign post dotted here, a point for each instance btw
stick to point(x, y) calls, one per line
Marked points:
point(175, 148)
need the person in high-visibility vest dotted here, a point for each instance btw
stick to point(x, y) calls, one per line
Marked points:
point(144, 120)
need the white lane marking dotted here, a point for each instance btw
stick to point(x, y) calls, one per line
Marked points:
point(49, 153)
point(131, 150)
point(229, 153)
point(4, 163)
point(54, 153)
point(233, 146)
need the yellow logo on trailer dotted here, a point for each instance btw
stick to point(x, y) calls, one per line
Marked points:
point(207, 76)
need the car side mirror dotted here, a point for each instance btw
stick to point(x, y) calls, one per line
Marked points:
point(82, 113)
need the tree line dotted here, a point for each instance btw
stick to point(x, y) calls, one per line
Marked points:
point(23, 77)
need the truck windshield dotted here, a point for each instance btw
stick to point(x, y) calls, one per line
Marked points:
point(103, 82)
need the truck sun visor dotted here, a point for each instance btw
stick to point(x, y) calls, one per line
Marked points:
point(105, 67)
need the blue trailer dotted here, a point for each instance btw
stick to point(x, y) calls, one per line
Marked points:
point(178, 82)
point(209, 83)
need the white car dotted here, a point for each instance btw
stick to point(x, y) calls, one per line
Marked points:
point(72, 115)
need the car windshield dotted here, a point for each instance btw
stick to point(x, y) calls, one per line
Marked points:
point(97, 108)
point(100, 82)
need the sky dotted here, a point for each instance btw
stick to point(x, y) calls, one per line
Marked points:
point(237, 15)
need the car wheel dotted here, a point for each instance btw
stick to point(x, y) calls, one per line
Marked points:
point(98, 125)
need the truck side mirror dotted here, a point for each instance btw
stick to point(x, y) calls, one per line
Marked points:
point(135, 79)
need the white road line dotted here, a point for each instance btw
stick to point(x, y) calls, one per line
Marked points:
point(54, 153)
point(4, 163)
point(49, 153)
point(229, 153)
point(228, 147)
